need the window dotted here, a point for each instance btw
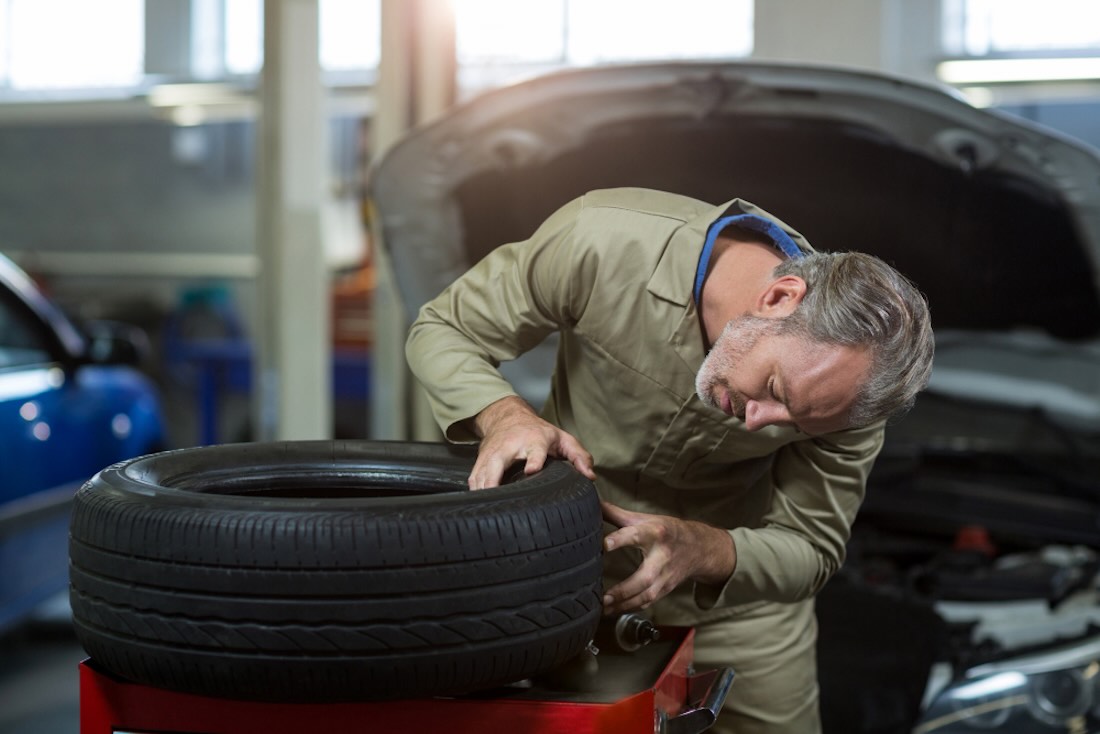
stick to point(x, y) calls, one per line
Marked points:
point(82, 45)
point(86, 45)
point(509, 32)
point(1003, 27)
point(351, 35)
point(499, 39)
point(62, 44)
point(995, 41)
point(21, 343)
point(582, 32)
point(622, 30)
point(244, 36)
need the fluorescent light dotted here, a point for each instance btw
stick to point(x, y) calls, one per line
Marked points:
point(176, 95)
point(989, 71)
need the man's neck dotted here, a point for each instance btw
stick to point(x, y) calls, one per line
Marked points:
point(740, 269)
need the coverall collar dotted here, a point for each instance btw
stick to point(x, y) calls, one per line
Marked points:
point(672, 281)
point(681, 271)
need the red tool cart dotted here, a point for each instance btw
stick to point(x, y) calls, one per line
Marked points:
point(650, 689)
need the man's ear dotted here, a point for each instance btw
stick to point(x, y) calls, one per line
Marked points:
point(781, 297)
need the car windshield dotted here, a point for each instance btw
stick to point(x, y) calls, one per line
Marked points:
point(29, 308)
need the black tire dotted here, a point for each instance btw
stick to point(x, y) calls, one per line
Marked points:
point(331, 571)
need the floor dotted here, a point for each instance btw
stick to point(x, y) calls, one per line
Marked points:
point(38, 675)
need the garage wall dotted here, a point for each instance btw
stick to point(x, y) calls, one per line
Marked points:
point(124, 189)
point(112, 206)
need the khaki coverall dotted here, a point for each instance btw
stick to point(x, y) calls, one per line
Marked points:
point(612, 272)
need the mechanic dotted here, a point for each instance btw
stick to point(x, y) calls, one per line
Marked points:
point(725, 387)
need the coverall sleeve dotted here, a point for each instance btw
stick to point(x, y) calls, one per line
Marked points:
point(502, 307)
point(818, 485)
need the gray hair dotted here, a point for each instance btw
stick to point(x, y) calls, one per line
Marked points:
point(856, 299)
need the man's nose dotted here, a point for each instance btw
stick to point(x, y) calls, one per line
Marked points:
point(754, 415)
point(758, 415)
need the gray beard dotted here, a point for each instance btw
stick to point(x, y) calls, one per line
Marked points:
point(738, 337)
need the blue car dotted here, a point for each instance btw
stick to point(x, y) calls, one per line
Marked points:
point(72, 402)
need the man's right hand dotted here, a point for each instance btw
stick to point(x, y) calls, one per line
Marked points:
point(511, 431)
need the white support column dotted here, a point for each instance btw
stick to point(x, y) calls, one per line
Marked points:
point(393, 116)
point(436, 64)
point(416, 83)
point(293, 373)
point(436, 81)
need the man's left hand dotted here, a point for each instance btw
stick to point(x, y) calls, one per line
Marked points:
point(674, 550)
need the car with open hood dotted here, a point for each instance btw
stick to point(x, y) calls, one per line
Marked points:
point(970, 596)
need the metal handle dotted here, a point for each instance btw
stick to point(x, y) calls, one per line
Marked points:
point(708, 691)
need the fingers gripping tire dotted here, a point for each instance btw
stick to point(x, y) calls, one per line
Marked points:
point(326, 571)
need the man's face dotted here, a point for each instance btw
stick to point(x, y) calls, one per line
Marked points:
point(765, 377)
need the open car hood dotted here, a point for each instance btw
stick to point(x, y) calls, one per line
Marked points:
point(996, 220)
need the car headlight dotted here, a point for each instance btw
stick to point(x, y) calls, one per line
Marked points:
point(1057, 689)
